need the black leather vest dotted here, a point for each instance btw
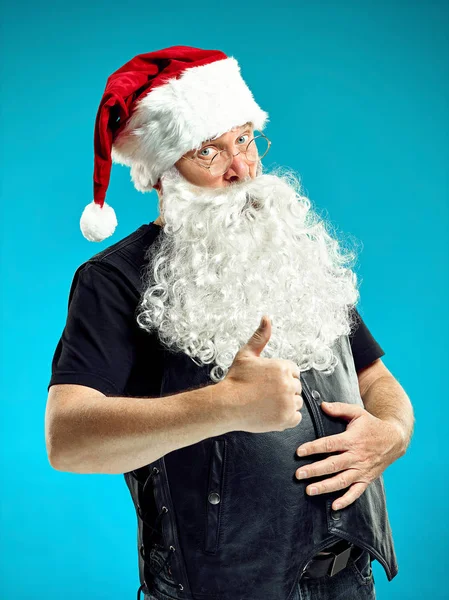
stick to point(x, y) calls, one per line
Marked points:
point(226, 518)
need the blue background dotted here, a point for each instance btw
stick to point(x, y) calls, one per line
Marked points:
point(357, 94)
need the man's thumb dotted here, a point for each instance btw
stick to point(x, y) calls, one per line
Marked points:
point(260, 337)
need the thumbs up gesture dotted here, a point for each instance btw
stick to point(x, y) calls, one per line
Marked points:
point(264, 393)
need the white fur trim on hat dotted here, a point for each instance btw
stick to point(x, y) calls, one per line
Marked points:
point(178, 116)
point(98, 223)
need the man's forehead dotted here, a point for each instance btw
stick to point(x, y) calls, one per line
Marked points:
point(237, 128)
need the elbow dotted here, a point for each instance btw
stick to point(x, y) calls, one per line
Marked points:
point(55, 463)
point(66, 459)
point(57, 451)
point(50, 444)
point(63, 443)
point(60, 461)
point(54, 454)
point(51, 428)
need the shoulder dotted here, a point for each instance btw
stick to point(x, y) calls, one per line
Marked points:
point(125, 261)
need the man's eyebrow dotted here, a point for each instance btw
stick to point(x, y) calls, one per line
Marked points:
point(248, 125)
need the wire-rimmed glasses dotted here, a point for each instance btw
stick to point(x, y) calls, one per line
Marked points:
point(219, 161)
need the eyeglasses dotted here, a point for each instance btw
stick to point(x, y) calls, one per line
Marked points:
point(219, 161)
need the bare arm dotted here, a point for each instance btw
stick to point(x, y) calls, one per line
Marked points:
point(386, 399)
point(94, 433)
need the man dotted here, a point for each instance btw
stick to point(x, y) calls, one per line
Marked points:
point(220, 513)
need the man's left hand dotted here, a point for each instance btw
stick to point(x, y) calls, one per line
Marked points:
point(368, 446)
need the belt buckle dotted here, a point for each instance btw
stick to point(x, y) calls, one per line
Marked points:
point(340, 560)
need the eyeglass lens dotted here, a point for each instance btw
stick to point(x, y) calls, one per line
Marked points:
point(256, 150)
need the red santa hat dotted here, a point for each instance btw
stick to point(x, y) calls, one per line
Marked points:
point(154, 109)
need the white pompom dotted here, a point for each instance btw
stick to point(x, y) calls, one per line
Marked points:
point(98, 223)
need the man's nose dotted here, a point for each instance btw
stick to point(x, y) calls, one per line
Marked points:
point(239, 167)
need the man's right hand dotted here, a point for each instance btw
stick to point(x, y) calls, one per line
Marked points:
point(264, 393)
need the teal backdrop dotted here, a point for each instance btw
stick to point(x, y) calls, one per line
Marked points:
point(358, 98)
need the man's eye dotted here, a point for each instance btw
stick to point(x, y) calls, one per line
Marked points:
point(207, 152)
point(243, 136)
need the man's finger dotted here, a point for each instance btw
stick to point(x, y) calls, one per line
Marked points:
point(332, 464)
point(354, 492)
point(340, 482)
point(331, 443)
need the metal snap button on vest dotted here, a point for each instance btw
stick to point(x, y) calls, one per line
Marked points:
point(316, 394)
point(335, 514)
point(214, 498)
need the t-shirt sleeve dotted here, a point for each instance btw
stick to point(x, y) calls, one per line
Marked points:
point(97, 346)
point(365, 349)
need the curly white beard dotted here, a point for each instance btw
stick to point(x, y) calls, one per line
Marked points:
point(229, 255)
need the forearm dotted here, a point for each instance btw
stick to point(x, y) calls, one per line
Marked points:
point(386, 399)
point(118, 434)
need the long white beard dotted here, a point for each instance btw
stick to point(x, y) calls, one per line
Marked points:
point(229, 255)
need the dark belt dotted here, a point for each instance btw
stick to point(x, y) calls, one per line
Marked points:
point(332, 561)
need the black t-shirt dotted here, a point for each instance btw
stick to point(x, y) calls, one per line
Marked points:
point(103, 347)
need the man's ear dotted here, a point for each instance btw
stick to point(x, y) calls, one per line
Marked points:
point(157, 185)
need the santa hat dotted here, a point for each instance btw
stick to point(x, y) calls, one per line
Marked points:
point(154, 109)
